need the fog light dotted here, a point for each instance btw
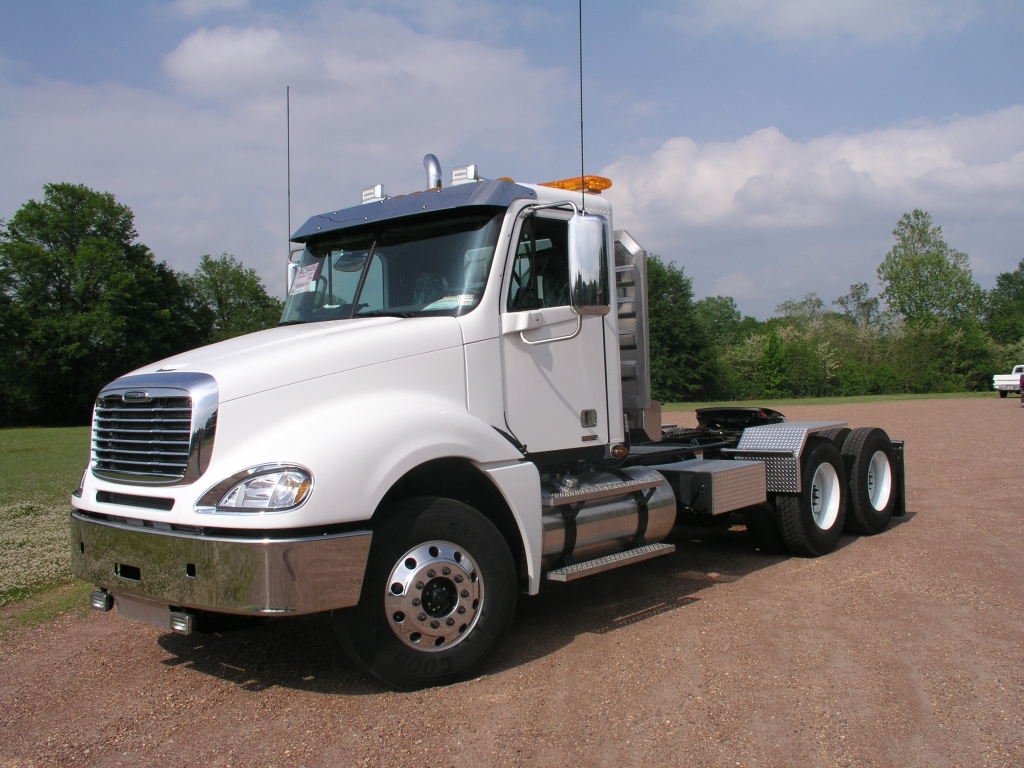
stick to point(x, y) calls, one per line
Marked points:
point(101, 601)
point(181, 623)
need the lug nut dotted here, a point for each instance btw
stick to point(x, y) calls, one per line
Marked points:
point(421, 617)
point(450, 621)
point(435, 624)
point(419, 585)
point(461, 609)
point(431, 573)
point(415, 601)
point(458, 579)
point(464, 593)
point(445, 571)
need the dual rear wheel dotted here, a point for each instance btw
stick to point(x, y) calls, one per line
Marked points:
point(849, 482)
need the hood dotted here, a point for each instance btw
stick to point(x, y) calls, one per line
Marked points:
point(281, 356)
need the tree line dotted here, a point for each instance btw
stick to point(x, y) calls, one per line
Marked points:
point(82, 302)
point(931, 328)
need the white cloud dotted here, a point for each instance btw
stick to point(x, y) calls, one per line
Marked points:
point(203, 164)
point(861, 21)
point(791, 217)
point(194, 8)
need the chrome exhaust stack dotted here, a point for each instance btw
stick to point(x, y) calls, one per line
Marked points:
point(433, 172)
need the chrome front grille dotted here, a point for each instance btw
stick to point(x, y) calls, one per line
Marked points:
point(151, 439)
point(155, 429)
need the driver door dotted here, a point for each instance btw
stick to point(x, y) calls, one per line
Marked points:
point(554, 361)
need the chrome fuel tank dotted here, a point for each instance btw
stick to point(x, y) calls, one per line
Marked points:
point(608, 524)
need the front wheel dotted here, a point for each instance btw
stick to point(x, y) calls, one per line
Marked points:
point(438, 597)
point(812, 521)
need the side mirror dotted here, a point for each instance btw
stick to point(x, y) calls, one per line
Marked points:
point(588, 265)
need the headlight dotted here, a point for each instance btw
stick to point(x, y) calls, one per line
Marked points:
point(274, 490)
point(271, 488)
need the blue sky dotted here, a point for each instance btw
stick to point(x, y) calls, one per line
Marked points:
point(767, 146)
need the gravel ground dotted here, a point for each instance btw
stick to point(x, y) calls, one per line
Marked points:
point(902, 649)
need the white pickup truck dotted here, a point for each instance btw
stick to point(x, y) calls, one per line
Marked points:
point(454, 410)
point(1006, 383)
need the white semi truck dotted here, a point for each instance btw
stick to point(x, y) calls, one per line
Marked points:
point(454, 410)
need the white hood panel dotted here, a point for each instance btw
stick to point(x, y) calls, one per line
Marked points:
point(281, 356)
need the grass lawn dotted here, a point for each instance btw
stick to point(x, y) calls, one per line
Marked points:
point(38, 470)
point(684, 407)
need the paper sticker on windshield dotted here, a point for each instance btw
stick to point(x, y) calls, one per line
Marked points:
point(305, 279)
point(452, 302)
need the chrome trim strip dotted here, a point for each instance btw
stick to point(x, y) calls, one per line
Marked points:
point(202, 389)
point(247, 576)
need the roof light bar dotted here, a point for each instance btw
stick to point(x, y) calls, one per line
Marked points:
point(374, 194)
point(465, 175)
point(591, 184)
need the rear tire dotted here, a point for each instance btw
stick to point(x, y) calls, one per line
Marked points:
point(871, 480)
point(837, 435)
point(764, 529)
point(1003, 393)
point(438, 597)
point(812, 521)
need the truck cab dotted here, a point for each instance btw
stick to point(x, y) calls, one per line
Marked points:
point(454, 409)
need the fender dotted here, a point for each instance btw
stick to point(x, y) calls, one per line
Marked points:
point(358, 432)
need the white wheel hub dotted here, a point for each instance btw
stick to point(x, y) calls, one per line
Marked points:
point(879, 481)
point(825, 496)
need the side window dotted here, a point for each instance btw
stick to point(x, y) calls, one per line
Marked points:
point(540, 273)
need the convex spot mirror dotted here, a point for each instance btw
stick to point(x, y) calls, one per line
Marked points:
point(588, 264)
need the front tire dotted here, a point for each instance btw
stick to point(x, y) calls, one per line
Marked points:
point(438, 597)
point(812, 521)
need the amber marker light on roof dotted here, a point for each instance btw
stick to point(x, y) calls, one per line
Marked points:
point(592, 184)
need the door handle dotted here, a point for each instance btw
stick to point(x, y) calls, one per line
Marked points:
point(573, 335)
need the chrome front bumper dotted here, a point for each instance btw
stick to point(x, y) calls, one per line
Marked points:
point(230, 575)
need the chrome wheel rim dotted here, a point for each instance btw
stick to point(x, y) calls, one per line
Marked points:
point(879, 481)
point(825, 495)
point(434, 596)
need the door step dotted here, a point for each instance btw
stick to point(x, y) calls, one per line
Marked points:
point(606, 563)
point(604, 490)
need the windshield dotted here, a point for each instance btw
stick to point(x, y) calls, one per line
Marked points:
point(411, 268)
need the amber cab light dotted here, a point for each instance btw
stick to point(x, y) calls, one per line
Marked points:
point(592, 184)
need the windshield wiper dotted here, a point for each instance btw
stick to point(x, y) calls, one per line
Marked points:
point(291, 322)
point(385, 313)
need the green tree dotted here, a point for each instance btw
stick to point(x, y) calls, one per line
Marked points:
point(682, 360)
point(719, 317)
point(233, 295)
point(1004, 307)
point(923, 278)
point(89, 302)
point(859, 306)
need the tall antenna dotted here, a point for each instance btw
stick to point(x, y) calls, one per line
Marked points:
point(288, 121)
point(583, 188)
